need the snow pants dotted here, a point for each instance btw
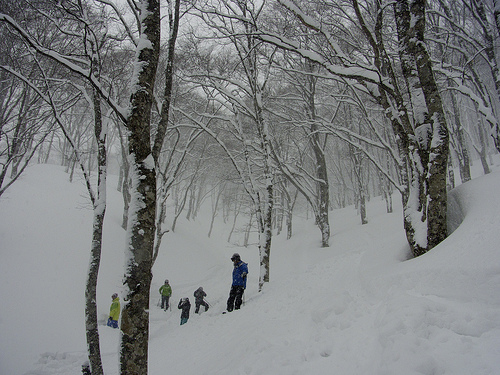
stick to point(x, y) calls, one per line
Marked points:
point(112, 323)
point(199, 303)
point(164, 302)
point(235, 297)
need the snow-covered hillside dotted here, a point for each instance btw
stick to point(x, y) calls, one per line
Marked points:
point(358, 307)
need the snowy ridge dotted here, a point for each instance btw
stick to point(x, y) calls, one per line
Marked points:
point(358, 307)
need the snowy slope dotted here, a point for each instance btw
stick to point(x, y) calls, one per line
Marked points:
point(358, 307)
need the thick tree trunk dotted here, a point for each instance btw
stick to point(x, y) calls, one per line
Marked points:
point(142, 215)
point(135, 314)
point(425, 209)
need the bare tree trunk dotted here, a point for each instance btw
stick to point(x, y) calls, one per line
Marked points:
point(141, 223)
point(191, 202)
point(322, 219)
point(290, 203)
point(126, 196)
point(357, 159)
point(179, 207)
point(173, 17)
point(237, 207)
point(451, 175)
point(119, 185)
point(265, 236)
point(19, 134)
point(388, 201)
point(427, 193)
point(265, 219)
point(92, 330)
point(215, 209)
point(159, 232)
point(248, 230)
point(483, 151)
point(461, 149)
point(49, 148)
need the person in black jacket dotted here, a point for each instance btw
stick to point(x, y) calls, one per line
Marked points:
point(199, 294)
point(185, 305)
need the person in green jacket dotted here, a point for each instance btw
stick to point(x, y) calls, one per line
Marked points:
point(166, 292)
point(114, 311)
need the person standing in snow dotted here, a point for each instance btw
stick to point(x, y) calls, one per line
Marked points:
point(239, 285)
point(114, 311)
point(185, 305)
point(199, 294)
point(165, 291)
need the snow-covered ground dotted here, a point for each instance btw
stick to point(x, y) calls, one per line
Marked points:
point(358, 307)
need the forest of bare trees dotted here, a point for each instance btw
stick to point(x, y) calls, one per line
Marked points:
point(260, 109)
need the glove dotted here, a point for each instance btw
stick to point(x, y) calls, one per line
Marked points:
point(244, 274)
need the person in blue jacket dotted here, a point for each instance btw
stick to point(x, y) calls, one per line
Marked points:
point(240, 272)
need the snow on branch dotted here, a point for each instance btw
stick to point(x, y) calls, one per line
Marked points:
point(119, 14)
point(315, 25)
point(77, 66)
point(354, 72)
point(50, 102)
point(482, 107)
